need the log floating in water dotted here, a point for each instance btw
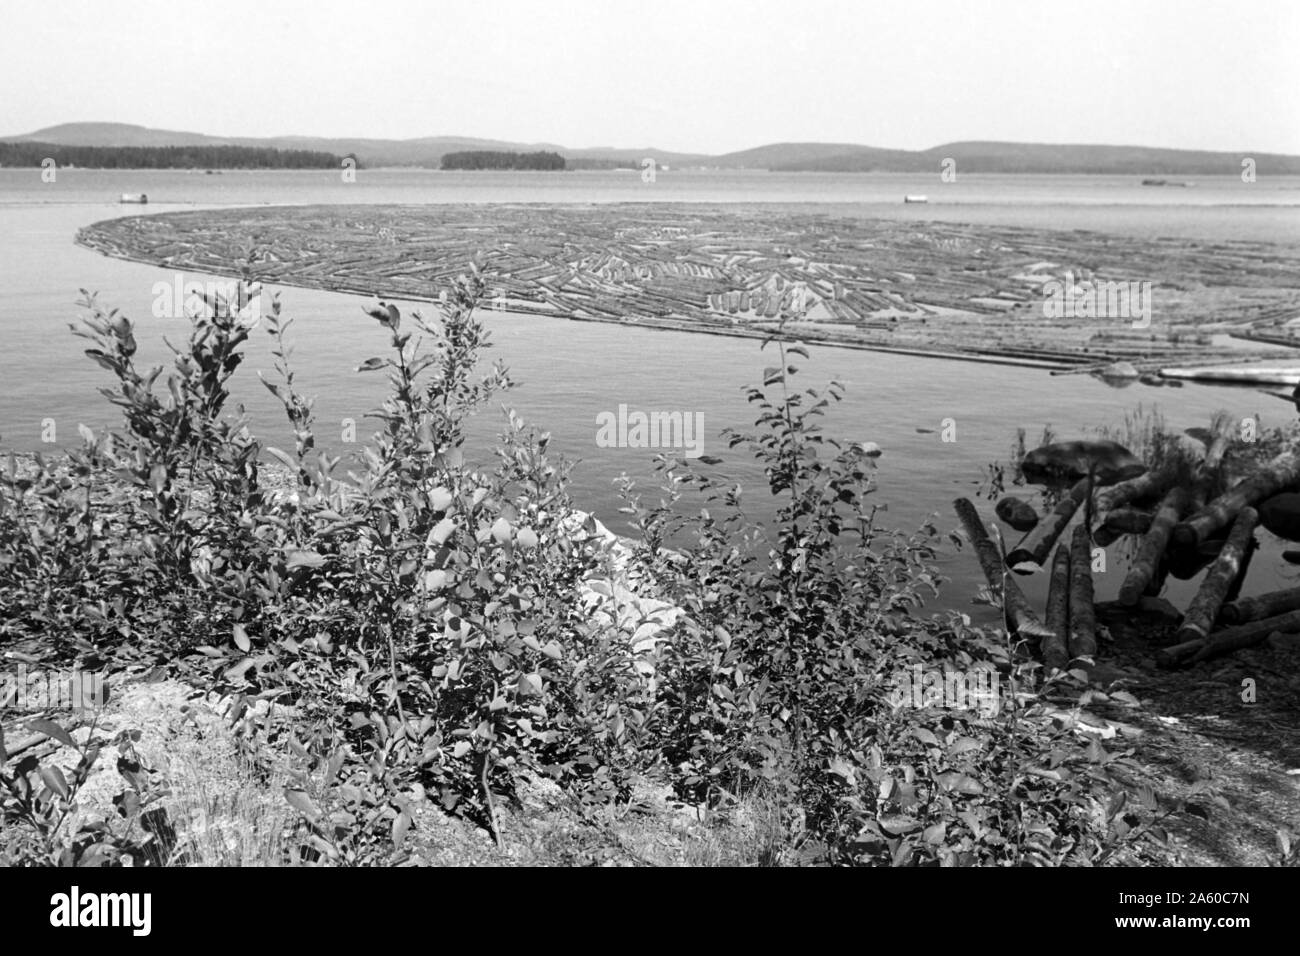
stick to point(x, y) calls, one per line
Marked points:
point(1083, 619)
point(1053, 648)
point(1281, 474)
point(1227, 567)
point(1228, 639)
point(1016, 606)
point(1154, 543)
point(1036, 545)
point(1261, 606)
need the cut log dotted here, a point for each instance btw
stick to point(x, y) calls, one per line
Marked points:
point(1135, 489)
point(1261, 606)
point(1083, 617)
point(1016, 606)
point(1228, 639)
point(1128, 521)
point(1053, 648)
point(1279, 475)
point(1036, 545)
point(1227, 567)
point(1218, 445)
point(1234, 590)
point(1146, 563)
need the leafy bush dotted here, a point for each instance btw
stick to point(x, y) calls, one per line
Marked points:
point(426, 629)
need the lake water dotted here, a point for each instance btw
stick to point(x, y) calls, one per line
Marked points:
point(570, 372)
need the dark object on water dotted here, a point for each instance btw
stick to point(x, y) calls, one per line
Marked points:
point(1019, 514)
point(1034, 547)
point(1281, 515)
point(1107, 461)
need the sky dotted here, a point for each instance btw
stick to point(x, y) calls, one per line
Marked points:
point(685, 75)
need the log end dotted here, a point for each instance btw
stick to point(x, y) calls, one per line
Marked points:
point(1020, 557)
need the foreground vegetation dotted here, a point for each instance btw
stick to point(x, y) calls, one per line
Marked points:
point(425, 635)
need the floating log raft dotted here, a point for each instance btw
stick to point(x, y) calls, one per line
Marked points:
point(1016, 606)
point(1152, 549)
point(1036, 545)
point(1244, 610)
point(1083, 617)
point(1281, 474)
point(1054, 648)
point(1227, 568)
point(864, 283)
point(1228, 639)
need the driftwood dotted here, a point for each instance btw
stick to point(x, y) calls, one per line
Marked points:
point(1083, 618)
point(1016, 606)
point(1228, 639)
point(1053, 647)
point(1146, 565)
point(1227, 567)
point(1037, 544)
point(1261, 606)
point(1281, 474)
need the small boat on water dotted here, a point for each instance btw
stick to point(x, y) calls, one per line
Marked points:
point(916, 199)
point(135, 198)
point(1246, 376)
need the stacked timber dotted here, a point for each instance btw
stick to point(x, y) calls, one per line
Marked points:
point(1188, 529)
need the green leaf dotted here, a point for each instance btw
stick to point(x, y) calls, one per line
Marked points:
point(53, 778)
point(299, 800)
point(961, 745)
point(304, 559)
point(959, 782)
point(400, 826)
point(285, 459)
point(530, 684)
point(241, 638)
point(50, 729)
point(442, 531)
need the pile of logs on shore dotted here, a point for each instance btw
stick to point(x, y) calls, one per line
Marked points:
point(1185, 518)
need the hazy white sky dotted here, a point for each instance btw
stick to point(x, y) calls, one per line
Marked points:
point(706, 75)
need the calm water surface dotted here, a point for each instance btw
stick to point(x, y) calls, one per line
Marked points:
point(572, 371)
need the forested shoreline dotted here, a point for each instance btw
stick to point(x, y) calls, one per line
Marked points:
point(166, 157)
point(494, 159)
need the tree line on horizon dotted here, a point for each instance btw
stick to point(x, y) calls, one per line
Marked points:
point(496, 159)
point(166, 157)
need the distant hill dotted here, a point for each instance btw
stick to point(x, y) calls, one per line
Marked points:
point(425, 151)
point(1000, 157)
point(970, 157)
